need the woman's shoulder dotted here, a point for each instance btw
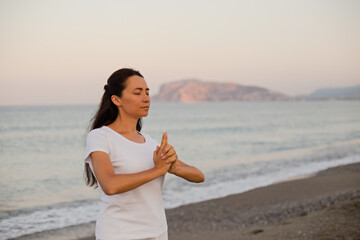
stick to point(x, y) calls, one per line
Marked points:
point(97, 132)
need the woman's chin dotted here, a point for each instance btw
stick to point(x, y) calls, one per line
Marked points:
point(143, 115)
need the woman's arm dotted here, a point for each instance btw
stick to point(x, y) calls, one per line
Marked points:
point(190, 173)
point(179, 168)
point(112, 183)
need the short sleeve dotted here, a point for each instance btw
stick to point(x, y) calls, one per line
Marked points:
point(95, 141)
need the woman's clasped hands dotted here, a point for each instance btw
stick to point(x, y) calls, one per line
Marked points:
point(165, 156)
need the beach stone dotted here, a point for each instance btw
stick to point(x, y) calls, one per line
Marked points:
point(257, 231)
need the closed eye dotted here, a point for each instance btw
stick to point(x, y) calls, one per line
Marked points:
point(139, 93)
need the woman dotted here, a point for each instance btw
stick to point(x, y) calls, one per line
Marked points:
point(129, 166)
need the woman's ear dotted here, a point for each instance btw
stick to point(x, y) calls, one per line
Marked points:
point(116, 100)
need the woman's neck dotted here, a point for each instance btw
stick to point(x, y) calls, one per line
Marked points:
point(124, 124)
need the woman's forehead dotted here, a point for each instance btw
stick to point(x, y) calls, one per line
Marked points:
point(135, 82)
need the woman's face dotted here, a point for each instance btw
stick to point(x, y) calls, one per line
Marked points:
point(135, 100)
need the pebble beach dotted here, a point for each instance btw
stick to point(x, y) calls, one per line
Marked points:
point(324, 206)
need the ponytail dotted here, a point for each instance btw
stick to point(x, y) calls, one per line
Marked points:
point(108, 111)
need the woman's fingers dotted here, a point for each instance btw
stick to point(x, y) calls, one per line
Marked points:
point(171, 159)
point(157, 150)
point(163, 141)
point(168, 151)
point(156, 153)
point(170, 156)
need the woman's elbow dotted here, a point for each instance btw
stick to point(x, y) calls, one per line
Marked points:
point(200, 178)
point(109, 190)
point(112, 189)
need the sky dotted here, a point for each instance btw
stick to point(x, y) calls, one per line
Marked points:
point(62, 52)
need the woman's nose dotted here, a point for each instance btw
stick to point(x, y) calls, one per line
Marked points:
point(146, 98)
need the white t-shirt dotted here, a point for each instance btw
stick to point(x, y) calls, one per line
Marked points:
point(138, 213)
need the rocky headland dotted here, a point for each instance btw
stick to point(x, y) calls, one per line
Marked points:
point(200, 91)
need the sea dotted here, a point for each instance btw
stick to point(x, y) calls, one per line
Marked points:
point(238, 145)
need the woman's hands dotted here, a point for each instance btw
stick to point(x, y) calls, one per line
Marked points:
point(172, 168)
point(165, 160)
point(165, 157)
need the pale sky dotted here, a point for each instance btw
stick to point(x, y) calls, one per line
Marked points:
point(62, 52)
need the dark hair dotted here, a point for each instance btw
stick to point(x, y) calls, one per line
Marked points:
point(108, 111)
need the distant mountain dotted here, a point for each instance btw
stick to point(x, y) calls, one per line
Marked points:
point(198, 91)
point(344, 93)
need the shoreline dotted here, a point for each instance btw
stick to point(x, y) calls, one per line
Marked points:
point(284, 210)
point(291, 209)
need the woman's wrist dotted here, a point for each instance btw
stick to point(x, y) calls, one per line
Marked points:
point(159, 171)
point(173, 168)
point(173, 171)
